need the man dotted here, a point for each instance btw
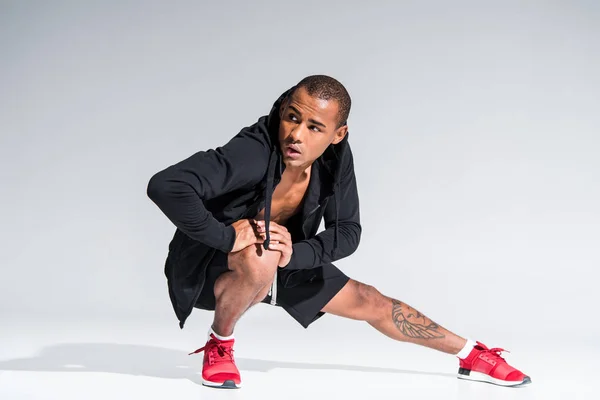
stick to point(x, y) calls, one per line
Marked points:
point(247, 216)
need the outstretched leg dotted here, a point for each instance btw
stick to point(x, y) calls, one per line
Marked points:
point(400, 321)
point(392, 317)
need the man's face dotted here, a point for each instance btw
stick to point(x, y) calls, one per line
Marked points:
point(307, 128)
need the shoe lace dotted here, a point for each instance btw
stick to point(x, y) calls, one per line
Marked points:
point(217, 350)
point(495, 352)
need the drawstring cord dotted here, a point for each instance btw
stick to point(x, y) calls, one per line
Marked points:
point(335, 234)
point(268, 197)
point(336, 185)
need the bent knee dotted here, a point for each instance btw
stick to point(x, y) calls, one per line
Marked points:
point(255, 263)
point(370, 301)
point(366, 293)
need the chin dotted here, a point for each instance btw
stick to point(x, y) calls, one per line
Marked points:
point(293, 162)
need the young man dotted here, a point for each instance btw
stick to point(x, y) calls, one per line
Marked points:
point(247, 216)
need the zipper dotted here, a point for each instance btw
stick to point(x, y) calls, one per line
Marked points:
point(308, 217)
point(313, 211)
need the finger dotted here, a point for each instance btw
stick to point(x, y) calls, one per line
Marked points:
point(274, 235)
point(281, 238)
point(275, 225)
point(275, 246)
point(277, 228)
point(284, 235)
point(255, 228)
point(281, 247)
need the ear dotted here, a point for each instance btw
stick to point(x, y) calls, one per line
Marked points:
point(340, 133)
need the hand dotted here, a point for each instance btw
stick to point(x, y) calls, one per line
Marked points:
point(280, 240)
point(246, 234)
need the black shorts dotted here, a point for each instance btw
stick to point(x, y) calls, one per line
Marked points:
point(304, 301)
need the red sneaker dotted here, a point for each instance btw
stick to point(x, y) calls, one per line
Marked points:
point(486, 365)
point(219, 369)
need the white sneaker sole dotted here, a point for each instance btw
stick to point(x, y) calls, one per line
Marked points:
point(480, 377)
point(228, 384)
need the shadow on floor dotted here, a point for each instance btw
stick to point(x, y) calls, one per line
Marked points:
point(156, 362)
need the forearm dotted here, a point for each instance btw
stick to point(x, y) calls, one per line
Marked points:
point(319, 250)
point(185, 209)
point(181, 189)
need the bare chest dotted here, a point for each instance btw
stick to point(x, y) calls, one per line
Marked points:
point(286, 201)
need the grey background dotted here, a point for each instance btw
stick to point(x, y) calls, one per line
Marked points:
point(475, 128)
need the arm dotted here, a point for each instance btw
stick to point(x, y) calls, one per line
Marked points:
point(180, 189)
point(314, 252)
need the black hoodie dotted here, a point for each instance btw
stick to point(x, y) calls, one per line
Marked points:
point(205, 193)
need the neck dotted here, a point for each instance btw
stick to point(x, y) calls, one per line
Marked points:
point(297, 173)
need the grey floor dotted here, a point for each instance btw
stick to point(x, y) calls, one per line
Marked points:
point(78, 357)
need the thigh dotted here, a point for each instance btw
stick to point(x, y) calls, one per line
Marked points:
point(306, 300)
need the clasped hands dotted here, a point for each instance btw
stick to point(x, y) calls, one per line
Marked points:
point(250, 232)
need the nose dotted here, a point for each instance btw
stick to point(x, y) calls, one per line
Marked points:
point(297, 134)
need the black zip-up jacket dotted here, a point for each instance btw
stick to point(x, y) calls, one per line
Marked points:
point(205, 193)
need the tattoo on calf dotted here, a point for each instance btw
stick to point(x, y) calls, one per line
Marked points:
point(419, 326)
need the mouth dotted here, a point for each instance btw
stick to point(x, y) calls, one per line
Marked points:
point(292, 151)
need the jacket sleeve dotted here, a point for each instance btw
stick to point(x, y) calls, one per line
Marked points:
point(317, 251)
point(180, 189)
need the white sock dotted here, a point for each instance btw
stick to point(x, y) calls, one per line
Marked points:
point(464, 353)
point(219, 336)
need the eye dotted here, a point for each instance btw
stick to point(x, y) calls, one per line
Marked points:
point(315, 128)
point(292, 117)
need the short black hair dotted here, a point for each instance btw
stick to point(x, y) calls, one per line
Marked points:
point(327, 88)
